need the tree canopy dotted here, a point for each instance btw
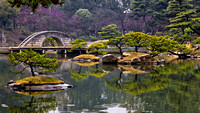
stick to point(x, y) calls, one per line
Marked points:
point(78, 44)
point(159, 44)
point(110, 31)
point(35, 3)
point(137, 39)
point(94, 48)
point(33, 60)
point(119, 42)
point(7, 13)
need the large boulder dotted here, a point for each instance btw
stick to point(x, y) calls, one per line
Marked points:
point(125, 54)
point(135, 60)
point(144, 57)
point(109, 58)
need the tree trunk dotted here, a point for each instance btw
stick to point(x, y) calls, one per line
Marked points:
point(123, 29)
point(118, 82)
point(183, 30)
point(96, 52)
point(80, 51)
point(3, 35)
point(197, 32)
point(136, 48)
point(33, 74)
point(79, 71)
point(145, 24)
point(136, 77)
point(30, 104)
point(121, 53)
point(181, 56)
point(120, 50)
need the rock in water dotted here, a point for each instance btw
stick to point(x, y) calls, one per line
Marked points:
point(145, 57)
point(135, 60)
point(48, 87)
point(109, 58)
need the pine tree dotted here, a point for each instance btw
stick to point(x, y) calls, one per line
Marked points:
point(141, 9)
point(33, 60)
point(182, 14)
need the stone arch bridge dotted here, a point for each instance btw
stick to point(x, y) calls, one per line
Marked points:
point(35, 42)
point(37, 39)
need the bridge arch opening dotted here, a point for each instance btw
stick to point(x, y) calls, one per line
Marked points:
point(51, 42)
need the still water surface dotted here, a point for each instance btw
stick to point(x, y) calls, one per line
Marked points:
point(173, 88)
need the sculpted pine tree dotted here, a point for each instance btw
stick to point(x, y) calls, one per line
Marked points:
point(78, 44)
point(119, 42)
point(110, 31)
point(33, 60)
point(137, 39)
point(94, 48)
point(160, 44)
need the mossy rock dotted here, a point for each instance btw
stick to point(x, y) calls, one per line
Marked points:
point(86, 58)
point(135, 60)
point(109, 58)
point(38, 80)
point(145, 57)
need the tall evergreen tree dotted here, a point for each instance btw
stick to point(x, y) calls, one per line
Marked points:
point(182, 14)
point(141, 9)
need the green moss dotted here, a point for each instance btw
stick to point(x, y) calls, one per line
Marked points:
point(37, 80)
point(36, 93)
point(86, 56)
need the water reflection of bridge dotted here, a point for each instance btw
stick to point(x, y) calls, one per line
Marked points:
point(59, 49)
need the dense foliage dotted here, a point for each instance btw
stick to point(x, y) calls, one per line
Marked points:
point(78, 44)
point(137, 39)
point(50, 42)
point(93, 20)
point(110, 31)
point(34, 3)
point(95, 48)
point(33, 60)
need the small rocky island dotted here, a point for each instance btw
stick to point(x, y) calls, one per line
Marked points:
point(86, 58)
point(131, 58)
point(38, 83)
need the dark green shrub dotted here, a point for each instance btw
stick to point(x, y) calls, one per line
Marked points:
point(21, 38)
point(93, 38)
point(72, 35)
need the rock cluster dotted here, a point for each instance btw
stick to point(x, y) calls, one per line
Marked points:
point(143, 59)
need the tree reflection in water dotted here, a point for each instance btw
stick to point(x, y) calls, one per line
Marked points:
point(78, 76)
point(97, 71)
point(33, 104)
point(138, 83)
point(170, 88)
point(174, 87)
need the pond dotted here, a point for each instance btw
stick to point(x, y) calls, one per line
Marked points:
point(172, 88)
